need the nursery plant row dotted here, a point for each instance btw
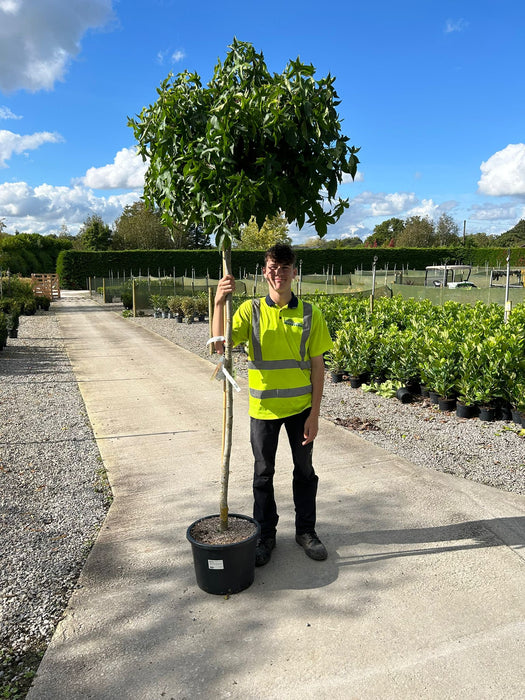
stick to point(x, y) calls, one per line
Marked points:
point(17, 299)
point(463, 353)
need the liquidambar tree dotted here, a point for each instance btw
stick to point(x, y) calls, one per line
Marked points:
point(249, 143)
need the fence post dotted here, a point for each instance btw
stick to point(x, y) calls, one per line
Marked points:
point(103, 290)
point(373, 284)
point(134, 298)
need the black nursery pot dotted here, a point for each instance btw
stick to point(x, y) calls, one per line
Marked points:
point(464, 411)
point(446, 403)
point(222, 569)
point(487, 413)
point(404, 395)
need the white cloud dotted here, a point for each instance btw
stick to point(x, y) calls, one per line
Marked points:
point(174, 57)
point(45, 208)
point(38, 38)
point(126, 172)
point(11, 143)
point(6, 113)
point(347, 179)
point(504, 172)
point(506, 212)
point(455, 25)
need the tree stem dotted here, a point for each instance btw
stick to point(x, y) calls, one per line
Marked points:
point(228, 399)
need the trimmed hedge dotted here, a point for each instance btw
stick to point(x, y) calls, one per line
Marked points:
point(75, 267)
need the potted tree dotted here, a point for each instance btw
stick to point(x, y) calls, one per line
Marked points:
point(249, 143)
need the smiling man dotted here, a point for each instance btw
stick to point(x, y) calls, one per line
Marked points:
point(286, 340)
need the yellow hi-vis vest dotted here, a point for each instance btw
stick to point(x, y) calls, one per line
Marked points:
point(281, 341)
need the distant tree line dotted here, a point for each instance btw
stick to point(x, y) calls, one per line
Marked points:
point(139, 228)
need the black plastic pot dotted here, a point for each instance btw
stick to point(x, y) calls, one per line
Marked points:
point(464, 411)
point(404, 395)
point(445, 403)
point(224, 568)
point(424, 391)
point(336, 377)
point(516, 416)
point(434, 396)
point(355, 382)
point(414, 387)
point(487, 413)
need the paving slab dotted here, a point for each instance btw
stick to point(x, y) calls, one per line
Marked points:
point(422, 595)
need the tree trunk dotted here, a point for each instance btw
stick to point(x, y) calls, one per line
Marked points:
point(228, 398)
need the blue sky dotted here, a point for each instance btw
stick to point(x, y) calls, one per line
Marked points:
point(431, 90)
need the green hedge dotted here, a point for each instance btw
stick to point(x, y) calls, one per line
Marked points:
point(27, 253)
point(75, 267)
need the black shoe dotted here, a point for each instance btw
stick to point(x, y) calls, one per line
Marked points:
point(263, 550)
point(312, 546)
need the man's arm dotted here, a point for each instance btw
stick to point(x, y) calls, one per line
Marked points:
point(226, 286)
point(311, 426)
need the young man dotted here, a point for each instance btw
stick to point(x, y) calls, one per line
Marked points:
point(286, 340)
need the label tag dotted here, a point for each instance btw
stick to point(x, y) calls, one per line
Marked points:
point(215, 564)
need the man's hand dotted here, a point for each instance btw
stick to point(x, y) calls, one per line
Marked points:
point(311, 428)
point(226, 286)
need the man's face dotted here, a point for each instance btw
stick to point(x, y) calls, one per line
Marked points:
point(279, 275)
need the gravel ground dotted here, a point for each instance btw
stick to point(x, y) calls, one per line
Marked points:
point(54, 495)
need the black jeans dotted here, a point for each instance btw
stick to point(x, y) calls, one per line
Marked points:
point(264, 436)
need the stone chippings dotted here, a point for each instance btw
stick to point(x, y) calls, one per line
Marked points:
point(53, 496)
point(490, 453)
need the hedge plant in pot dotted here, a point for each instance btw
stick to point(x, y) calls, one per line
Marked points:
point(337, 358)
point(188, 308)
point(359, 342)
point(175, 306)
point(441, 367)
point(250, 143)
point(158, 302)
point(13, 319)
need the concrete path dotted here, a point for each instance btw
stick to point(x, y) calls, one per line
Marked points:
point(423, 594)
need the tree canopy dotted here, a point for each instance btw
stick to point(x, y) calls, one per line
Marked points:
point(140, 228)
point(274, 230)
point(250, 143)
point(95, 234)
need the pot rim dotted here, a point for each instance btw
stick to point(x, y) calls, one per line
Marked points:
point(206, 545)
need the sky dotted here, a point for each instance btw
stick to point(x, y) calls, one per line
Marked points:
point(432, 91)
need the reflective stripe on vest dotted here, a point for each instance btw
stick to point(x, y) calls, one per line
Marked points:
point(265, 365)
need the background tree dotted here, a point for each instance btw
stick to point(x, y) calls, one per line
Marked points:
point(347, 242)
point(140, 228)
point(95, 234)
point(385, 231)
point(418, 233)
point(447, 231)
point(480, 240)
point(514, 237)
point(250, 143)
point(274, 230)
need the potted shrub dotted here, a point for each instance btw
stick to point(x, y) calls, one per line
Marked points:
point(158, 302)
point(188, 308)
point(3, 330)
point(175, 306)
point(440, 369)
point(13, 320)
point(337, 358)
point(201, 305)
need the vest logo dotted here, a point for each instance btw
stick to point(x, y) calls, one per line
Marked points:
point(289, 322)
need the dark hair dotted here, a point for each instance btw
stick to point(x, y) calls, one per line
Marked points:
point(280, 253)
